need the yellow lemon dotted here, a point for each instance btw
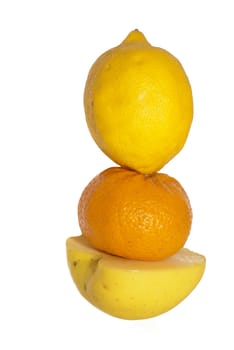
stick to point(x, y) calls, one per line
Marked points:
point(138, 104)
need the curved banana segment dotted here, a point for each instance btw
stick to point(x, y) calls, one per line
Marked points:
point(131, 289)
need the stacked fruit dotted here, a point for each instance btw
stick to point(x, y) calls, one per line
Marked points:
point(129, 260)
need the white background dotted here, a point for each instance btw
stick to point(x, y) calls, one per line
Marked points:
point(47, 156)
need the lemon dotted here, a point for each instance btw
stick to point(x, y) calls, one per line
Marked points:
point(138, 104)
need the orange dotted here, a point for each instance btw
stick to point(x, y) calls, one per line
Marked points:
point(135, 216)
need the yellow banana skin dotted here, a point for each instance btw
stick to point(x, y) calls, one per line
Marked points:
point(131, 289)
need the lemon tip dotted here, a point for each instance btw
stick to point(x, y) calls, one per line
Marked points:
point(135, 36)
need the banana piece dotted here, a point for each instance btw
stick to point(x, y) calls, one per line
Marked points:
point(131, 289)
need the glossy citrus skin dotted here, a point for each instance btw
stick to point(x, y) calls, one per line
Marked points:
point(138, 104)
point(136, 216)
